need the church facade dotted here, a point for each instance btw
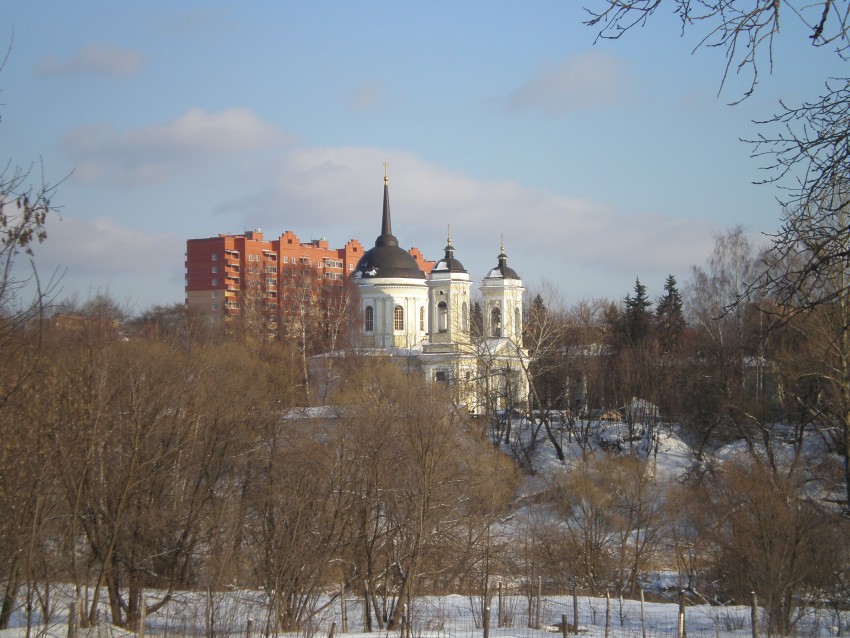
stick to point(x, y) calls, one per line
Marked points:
point(426, 322)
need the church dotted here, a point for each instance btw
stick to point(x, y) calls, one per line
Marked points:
point(425, 323)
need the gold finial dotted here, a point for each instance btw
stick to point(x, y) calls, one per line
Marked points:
point(386, 173)
point(449, 234)
point(502, 242)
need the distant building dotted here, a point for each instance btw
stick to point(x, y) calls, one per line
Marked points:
point(423, 319)
point(226, 272)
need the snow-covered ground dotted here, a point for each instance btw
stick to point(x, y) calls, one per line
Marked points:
point(438, 617)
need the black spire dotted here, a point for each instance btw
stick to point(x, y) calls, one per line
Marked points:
point(386, 238)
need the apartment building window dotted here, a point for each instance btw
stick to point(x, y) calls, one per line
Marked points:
point(286, 259)
point(398, 318)
point(214, 294)
point(270, 281)
point(214, 269)
point(214, 306)
point(214, 257)
point(215, 282)
point(369, 319)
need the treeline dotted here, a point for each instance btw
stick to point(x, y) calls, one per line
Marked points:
point(145, 464)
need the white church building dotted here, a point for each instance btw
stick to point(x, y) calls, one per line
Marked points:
point(426, 323)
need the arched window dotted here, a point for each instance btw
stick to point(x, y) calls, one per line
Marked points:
point(369, 319)
point(496, 322)
point(422, 318)
point(517, 322)
point(398, 318)
point(465, 317)
point(442, 316)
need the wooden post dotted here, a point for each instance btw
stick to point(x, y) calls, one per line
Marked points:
point(575, 610)
point(680, 628)
point(485, 621)
point(563, 626)
point(209, 613)
point(405, 625)
point(539, 599)
point(642, 615)
point(607, 613)
point(367, 610)
point(249, 627)
point(143, 612)
point(342, 609)
point(500, 620)
point(754, 614)
point(72, 619)
point(331, 632)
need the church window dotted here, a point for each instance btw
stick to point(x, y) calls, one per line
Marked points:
point(442, 316)
point(440, 376)
point(496, 322)
point(517, 322)
point(398, 318)
point(370, 319)
point(422, 318)
point(465, 317)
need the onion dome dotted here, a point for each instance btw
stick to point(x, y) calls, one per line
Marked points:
point(502, 270)
point(449, 263)
point(387, 258)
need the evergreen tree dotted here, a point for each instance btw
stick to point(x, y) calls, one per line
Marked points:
point(637, 320)
point(670, 320)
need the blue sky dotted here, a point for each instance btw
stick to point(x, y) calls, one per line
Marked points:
point(597, 162)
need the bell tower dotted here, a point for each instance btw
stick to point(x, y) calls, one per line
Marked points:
point(502, 291)
point(449, 300)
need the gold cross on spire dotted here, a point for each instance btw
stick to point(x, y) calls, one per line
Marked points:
point(449, 234)
point(386, 173)
point(502, 241)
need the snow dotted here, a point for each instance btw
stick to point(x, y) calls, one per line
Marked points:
point(437, 617)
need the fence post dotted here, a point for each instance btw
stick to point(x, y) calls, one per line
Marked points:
point(680, 629)
point(485, 621)
point(342, 609)
point(539, 599)
point(754, 614)
point(499, 620)
point(209, 613)
point(72, 620)
point(575, 609)
point(563, 626)
point(331, 632)
point(248, 627)
point(607, 613)
point(143, 612)
point(405, 625)
point(642, 615)
point(367, 610)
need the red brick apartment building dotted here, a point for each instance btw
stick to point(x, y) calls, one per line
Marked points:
point(222, 272)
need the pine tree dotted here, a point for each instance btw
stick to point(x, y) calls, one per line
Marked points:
point(637, 320)
point(669, 317)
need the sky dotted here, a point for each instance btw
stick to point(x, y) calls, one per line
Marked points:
point(596, 161)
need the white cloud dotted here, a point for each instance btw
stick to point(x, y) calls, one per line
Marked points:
point(577, 83)
point(153, 153)
point(337, 193)
point(98, 255)
point(93, 58)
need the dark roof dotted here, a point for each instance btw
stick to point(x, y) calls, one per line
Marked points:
point(502, 269)
point(448, 263)
point(387, 258)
